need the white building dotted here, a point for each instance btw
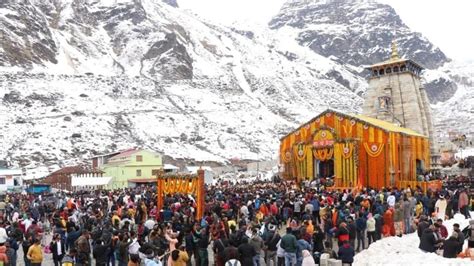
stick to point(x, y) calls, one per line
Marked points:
point(10, 179)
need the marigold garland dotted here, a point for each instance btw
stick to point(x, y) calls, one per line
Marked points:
point(323, 154)
point(300, 152)
point(374, 150)
point(347, 149)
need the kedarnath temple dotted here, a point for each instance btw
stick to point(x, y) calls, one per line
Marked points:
point(387, 146)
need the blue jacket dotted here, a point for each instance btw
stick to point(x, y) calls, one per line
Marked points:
point(302, 245)
point(346, 253)
point(315, 204)
point(361, 224)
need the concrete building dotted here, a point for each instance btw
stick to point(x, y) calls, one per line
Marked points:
point(10, 179)
point(396, 95)
point(132, 166)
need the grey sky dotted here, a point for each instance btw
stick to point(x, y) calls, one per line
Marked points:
point(448, 24)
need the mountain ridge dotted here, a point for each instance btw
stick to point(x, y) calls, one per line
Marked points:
point(104, 75)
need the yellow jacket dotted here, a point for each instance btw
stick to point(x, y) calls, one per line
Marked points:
point(35, 254)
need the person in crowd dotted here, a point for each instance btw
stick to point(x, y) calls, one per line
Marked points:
point(460, 238)
point(35, 254)
point(470, 234)
point(443, 231)
point(329, 250)
point(422, 225)
point(463, 203)
point(398, 219)
point(318, 239)
point(58, 249)
point(346, 253)
point(271, 242)
point(179, 257)
point(257, 242)
point(370, 224)
point(351, 227)
point(246, 253)
point(361, 226)
point(290, 245)
point(440, 207)
point(123, 226)
point(430, 239)
point(451, 246)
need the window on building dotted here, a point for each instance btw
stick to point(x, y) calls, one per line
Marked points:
point(381, 72)
point(395, 69)
point(139, 158)
point(154, 172)
point(384, 103)
point(2, 180)
point(403, 68)
point(388, 70)
point(139, 172)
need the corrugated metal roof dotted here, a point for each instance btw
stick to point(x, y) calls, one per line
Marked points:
point(387, 126)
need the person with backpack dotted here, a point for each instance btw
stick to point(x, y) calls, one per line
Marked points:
point(290, 246)
point(257, 242)
point(346, 253)
point(271, 245)
point(70, 258)
point(218, 247)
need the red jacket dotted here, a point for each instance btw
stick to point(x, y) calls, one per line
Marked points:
point(443, 232)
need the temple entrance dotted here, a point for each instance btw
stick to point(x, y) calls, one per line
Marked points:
point(326, 168)
point(419, 167)
point(323, 168)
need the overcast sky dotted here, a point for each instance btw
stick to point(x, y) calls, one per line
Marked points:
point(448, 24)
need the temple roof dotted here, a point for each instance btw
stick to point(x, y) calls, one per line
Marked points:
point(384, 125)
point(387, 125)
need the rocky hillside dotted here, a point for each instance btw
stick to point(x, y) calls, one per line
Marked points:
point(81, 77)
point(359, 33)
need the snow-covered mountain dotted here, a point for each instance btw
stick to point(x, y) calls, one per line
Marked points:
point(359, 32)
point(80, 77)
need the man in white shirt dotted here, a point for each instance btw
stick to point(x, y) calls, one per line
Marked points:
point(27, 223)
point(440, 207)
point(244, 211)
point(135, 246)
point(391, 200)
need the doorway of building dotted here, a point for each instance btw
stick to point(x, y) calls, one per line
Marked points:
point(419, 167)
point(323, 168)
point(326, 168)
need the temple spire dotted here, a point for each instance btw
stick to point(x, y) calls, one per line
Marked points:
point(394, 55)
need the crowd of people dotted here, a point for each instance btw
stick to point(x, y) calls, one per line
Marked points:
point(257, 223)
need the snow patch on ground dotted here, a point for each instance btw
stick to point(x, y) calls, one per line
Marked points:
point(404, 250)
